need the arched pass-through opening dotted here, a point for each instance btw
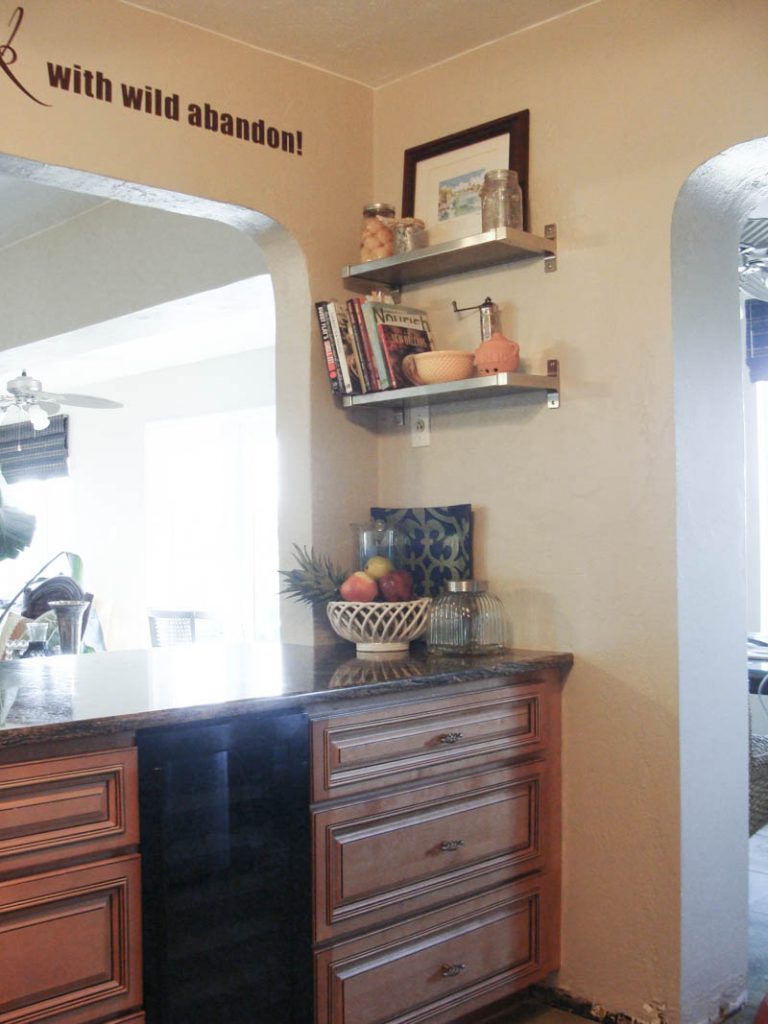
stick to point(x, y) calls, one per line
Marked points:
point(287, 268)
point(711, 588)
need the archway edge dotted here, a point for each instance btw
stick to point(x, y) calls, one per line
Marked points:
point(290, 283)
point(711, 594)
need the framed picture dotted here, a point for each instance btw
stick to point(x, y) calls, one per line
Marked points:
point(442, 179)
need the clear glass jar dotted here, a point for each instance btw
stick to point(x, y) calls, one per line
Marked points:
point(379, 539)
point(409, 235)
point(466, 620)
point(377, 240)
point(501, 200)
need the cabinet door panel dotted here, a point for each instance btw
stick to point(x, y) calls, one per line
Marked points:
point(66, 807)
point(389, 856)
point(369, 750)
point(70, 944)
point(439, 968)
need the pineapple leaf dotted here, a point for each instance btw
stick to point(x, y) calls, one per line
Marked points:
point(316, 580)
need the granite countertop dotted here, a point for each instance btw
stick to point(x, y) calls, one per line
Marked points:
point(71, 696)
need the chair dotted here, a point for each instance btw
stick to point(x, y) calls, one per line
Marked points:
point(758, 782)
point(174, 627)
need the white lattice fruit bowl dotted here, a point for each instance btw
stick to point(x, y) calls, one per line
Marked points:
point(379, 625)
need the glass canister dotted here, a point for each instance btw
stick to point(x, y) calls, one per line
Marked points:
point(410, 234)
point(466, 619)
point(377, 240)
point(379, 539)
point(501, 200)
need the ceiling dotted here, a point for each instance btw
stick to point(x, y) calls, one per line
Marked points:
point(369, 41)
point(29, 208)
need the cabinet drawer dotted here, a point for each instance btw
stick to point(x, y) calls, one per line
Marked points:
point(70, 944)
point(66, 807)
point(358, 752)
point(392, 855)
point(440, 967)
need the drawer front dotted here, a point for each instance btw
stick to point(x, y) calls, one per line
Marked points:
point(70, 944)
point(390, 746)
point(438, 970)
point(392, 855)
point(66, 807)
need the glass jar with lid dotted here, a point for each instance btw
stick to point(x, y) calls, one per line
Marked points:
point(501, 200)
point(466, 619)
point(379, 539)
point(377, 240)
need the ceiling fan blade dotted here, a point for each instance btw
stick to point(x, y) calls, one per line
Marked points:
point(85, 401)
point(50, 407)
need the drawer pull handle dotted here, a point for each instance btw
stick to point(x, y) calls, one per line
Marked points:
point(452, 970)
point(451, 737)
point(451, 844)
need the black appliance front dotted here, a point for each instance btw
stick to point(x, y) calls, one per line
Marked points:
point(226, 871)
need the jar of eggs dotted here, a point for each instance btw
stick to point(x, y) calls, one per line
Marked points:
point(377, 237)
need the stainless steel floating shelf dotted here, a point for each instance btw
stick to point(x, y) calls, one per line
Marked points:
point(489, 249)
point(461, 390)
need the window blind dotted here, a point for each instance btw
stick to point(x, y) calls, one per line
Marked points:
point(28, 454)
point(756, 315)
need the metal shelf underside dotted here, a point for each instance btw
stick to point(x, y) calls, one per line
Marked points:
point(462, 390)
point(489, 249)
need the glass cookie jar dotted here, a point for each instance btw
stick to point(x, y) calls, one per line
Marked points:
point(377, 239)
point(466, 619)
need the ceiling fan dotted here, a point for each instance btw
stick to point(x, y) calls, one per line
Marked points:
point(27, 400)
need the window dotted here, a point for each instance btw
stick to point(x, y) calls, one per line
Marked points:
point(211, 494)
point(51, 503)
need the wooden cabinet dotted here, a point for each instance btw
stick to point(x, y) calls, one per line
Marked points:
point(436, 835)
point(439, 967)
point(70, 890)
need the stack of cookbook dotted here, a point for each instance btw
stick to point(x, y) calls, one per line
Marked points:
point(365, 342)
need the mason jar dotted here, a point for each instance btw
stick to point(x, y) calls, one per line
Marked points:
point(501, 200)
point(377, 239)
point(466, 619)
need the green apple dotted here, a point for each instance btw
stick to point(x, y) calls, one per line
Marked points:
point(378, 566)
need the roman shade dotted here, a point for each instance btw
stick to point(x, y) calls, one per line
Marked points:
point(29, 454)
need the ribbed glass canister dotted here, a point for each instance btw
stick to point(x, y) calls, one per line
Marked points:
point(466, 620)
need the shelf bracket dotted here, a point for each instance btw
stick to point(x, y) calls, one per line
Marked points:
point(553, 395)
point(550, 262)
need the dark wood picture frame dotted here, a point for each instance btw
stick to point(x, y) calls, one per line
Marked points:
point(515, 125)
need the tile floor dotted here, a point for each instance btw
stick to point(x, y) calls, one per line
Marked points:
point(527, 1011)
point(757, 968)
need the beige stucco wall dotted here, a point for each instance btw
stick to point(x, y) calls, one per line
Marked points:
point(575, 509)
point(576, 512)
point(314, 200)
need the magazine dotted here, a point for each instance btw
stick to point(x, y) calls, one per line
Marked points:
point(402, 330)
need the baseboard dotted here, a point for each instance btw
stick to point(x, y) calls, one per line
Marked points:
point(559, 999)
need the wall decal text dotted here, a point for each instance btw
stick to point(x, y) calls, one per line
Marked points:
point(149, 99)
point(9, 56)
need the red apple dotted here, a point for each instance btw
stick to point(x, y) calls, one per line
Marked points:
point(359, 587)
point(396, 585)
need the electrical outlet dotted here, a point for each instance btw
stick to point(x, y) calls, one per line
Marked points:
point(419, 418)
